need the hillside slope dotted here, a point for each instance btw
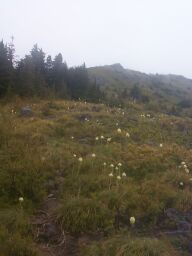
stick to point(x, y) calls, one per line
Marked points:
point(83, 170)
point(118, 82)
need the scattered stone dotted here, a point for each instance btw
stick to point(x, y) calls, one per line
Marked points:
point(50, 195)
point(184, 226)
point(190, 247)
point(49, 232)
point(84, 117)
point(26, 112)
point(96, 109)
point(171, 213)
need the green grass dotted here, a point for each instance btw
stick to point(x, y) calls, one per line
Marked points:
point(128, 246)
point(37, 158)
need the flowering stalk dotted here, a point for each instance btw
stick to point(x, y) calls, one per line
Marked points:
point(93, 157)
point(80, 159)
point(110, 180)
point(104, 166)
point(132, 221)
point(21, 202)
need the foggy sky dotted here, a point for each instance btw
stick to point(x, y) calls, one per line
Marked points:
point(153, 36)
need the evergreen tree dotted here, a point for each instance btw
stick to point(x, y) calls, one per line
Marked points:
point(33, 76)
point(31, 73)
point(60, 71)
point(78, 82)
point(135, 92)
point(49, 71)
point(5, 69)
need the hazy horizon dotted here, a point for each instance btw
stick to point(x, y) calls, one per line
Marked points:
point(144, 35)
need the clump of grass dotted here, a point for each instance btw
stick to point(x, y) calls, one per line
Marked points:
point(21, 173)
point(15, 234)
point(127, 246)
point(15, 245)
point(184, 201)
point(79, 214)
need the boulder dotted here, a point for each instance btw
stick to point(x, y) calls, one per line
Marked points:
point(26, 111)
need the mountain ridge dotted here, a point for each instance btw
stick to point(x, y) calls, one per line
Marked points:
point(119, 67)
point(154, 90)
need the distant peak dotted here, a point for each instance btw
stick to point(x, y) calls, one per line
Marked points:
point(117, 66)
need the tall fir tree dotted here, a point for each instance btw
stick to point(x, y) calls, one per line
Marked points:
point(6, 69)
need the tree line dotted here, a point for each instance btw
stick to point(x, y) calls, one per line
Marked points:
point(41, 76)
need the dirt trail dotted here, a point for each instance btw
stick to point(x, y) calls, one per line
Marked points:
point(49, 237)
point(52, 240)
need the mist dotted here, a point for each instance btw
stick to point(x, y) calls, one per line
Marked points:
point(146, 35)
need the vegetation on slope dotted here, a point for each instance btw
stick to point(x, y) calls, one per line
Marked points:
point(99, 166)
point(165, 93)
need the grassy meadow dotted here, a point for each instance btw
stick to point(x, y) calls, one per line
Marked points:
point(72, 174)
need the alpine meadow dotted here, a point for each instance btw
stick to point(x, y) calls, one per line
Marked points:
point(95, 160)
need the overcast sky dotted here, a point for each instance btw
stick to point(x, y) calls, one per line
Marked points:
point(154, 36)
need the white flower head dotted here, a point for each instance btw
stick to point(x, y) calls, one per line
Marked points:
point(72, 137)
point(102, 137)
point(43, 158)
point(80, 159)
point(181, 183)
point(117, 124)
point(116, 168)
point(119, 164)
point(111, 174)
point(112, 165)
point(132, 220)
point(160, 145)
point(104, 164)
point(187, 170)
point(96, 138)
point(119, 177)
point(21, 199)
point(108, 139)
point(182, 163)
point(185, 166)
point(119, 130)
point(124, 174)
point(93, 155)
point(74, 155)
point(127, 135)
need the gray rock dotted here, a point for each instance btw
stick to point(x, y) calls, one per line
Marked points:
point(26, 112)
point(184, 226)
point(96, 109)
point(171, 213)
point(50, 195)
point(190, 248)
point(84, 117)
point(50, 230)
